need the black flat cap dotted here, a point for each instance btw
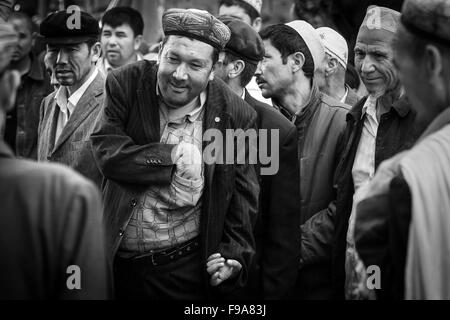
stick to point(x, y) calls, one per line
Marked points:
point(62, 28)
point(245, 42)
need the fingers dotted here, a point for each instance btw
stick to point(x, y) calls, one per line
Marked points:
point(215, 265)
point(234, 264)
point(216, 279)
point(214, 256)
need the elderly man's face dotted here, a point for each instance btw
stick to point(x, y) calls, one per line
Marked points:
point(72, 63)
point(373, 61)
point(185, 69)
point(272, 75)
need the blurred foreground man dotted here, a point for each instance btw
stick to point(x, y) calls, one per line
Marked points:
point(53, 240)
point(179, 219)
point(277, 231)
point(403, 226)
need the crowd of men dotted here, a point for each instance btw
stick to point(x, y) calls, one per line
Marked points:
point(118, 178)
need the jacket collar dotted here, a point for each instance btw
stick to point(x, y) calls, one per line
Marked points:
point(402, 107)
point(36, 71)
point(438, 123)
point(308, 109)
point(87, 103)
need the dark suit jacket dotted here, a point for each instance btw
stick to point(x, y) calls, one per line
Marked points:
point(73, 147)
point(51, 219)
point(128, 151)
point(277, 232)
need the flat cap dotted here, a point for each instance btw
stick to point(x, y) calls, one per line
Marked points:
point(66, 27)
point(196, 24)
point(429, 19)
point(245, 42)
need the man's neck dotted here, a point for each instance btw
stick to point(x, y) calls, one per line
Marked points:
point(335, 89)
point(131, 60)
point(296, 97)
point(75, 87)
point(23, 66)
point(235, 85)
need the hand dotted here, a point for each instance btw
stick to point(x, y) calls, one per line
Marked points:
point(188, 160)
point(220, 269)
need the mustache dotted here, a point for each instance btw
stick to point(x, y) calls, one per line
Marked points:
point(177, 83)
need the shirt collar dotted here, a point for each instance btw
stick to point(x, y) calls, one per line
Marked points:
point(70, 103)
point(345, 95)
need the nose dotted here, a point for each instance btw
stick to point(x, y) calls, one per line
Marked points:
point(367, 65)
point(112, 41)
point(62, 57)
point(258, 71)
point(180, 72)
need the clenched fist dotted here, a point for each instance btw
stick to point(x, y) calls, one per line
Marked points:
point(188, 160)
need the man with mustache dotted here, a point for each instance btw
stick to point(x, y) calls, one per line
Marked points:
point(378, 127)
point(121, 37)
point(288, 75)
point(274, 271)
point(21, 129)
point(68, 115)
point(179, 227)
point(402, 223)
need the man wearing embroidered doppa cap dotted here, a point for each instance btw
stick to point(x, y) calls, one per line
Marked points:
point(287, 75)
point(179, 226)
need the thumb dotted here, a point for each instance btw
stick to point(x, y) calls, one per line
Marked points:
point(234, 264)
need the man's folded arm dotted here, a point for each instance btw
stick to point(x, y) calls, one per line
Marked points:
point(118, 156)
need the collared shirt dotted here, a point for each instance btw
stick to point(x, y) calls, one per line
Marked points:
point(364, 164)
point(169, 215)
point(345, 95)
point(67, 105)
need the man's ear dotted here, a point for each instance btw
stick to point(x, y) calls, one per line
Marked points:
point(238, 68)
point(137, 42)
point(96, 52)
point(33, 39)
point(433, 61)
point(331, 66)
point(257, 24)
point(297, 61)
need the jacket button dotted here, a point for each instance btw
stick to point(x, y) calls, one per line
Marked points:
point(121, 232)
point(133, 202)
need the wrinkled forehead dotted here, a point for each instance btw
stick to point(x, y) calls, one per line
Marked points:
point(376, 37)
